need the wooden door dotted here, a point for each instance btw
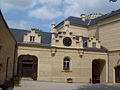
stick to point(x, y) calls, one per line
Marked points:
point(27, 70)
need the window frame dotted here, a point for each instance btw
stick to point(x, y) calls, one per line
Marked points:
point(66, 64)
point(94, 45)
point(32, 38)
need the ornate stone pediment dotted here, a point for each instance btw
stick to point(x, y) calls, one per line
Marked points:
point(93, 42)
point(32, 36)
point(65, 38)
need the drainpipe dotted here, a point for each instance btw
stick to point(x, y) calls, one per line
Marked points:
point(108, 65)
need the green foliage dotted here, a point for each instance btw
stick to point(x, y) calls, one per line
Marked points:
point(17, 78)
point(34, 76)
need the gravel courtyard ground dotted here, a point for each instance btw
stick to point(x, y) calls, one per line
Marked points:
point(37, 85)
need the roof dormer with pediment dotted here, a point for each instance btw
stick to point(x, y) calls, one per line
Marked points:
point(32, 36)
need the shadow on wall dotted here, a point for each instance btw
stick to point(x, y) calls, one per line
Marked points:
point(99, 87)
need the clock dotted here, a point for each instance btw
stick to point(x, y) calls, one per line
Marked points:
point(67, 41)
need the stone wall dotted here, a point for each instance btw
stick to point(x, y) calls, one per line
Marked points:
point(7, 51)
point(50, 67)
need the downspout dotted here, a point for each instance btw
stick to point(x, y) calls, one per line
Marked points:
point(108, 64)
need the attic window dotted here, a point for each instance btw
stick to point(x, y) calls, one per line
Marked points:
point(94, 44)
point(32, 38)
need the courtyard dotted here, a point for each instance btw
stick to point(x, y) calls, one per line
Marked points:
point(28, 84)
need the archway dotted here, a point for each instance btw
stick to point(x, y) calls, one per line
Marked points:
point(27, 65)
point(98, 71)
point(117, 74)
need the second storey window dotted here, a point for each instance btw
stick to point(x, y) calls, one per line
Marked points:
point(32, 38)
point(94, 44)
point(66, 63)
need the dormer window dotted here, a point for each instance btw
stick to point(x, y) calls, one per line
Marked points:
point(32, 38)
point(85, 43)
point(94, 44)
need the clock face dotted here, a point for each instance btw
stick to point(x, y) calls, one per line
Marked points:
point(67, 41)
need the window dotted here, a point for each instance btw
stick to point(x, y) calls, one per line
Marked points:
point(7, 66)
point(94, 44)
point(66, 64)
point(32, 38)
point(85, 43)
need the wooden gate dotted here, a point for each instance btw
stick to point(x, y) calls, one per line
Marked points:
point(27, 65)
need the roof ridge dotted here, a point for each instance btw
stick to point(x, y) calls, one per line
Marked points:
point(107, 13)
point(27, 30)
point(18, 29)
point(73, 17)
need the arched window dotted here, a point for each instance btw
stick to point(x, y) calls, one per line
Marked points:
point(66, 63)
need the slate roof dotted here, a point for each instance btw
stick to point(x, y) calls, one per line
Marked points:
point(19, 35)
point(46, 39)
point(105, 16)
point(79, 21)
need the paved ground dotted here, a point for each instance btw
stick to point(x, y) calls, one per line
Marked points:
point(37, 85)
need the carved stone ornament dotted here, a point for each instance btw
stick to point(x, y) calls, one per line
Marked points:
point(53, 51)
point(81, 52)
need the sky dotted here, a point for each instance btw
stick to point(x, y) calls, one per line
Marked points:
point(27, 14)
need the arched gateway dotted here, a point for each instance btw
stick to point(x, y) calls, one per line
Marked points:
point(98, 71)
point(27, 65)
point(117, 74)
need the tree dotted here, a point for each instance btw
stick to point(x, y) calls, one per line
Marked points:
point(113, 0)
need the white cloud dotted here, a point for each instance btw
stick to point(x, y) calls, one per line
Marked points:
point(77, 7)
point(51, 2)
point(17, 4)
point(55, 8)
point(45, 13)
point(50, 9)
point(18, 24)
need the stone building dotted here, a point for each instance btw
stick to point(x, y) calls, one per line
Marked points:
point(7, 53)
point(80, 49)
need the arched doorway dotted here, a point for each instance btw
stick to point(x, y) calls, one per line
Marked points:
point(117, 74)
point(27, 65)
point(98, 71)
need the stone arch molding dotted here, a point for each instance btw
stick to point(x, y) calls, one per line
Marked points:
point(27, 65)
